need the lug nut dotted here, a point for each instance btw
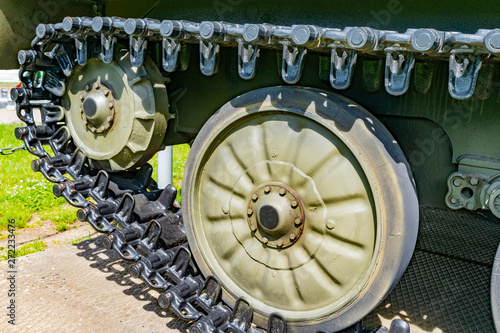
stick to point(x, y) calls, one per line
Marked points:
point(298, 221)
point(282, 191)
point(294, 204)
point(474, 181)
point(265, 240)
point(454, 200)
point(253, 227)
point(457, 182)
point(88, 87)
point(106, 92)
point(110, 105)
point(267, 189)
point(470, 206)
point(280, 243)
point(293, 236)
point(255, 196)
point(249, 211)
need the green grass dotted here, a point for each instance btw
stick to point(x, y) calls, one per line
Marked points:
point(36, 246)
point(24, 193)
point(80, 239)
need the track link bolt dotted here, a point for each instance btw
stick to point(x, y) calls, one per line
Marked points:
point(97, 85)
point(106, 92)
point(282, 191)
point(293, 236)
point(255, 196)
point(110, 106)
point(474, 181)
point(249, 211)
point(267, 189)
point(294, 204)
point(82, 97)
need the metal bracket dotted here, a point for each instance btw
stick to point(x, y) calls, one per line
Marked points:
point(81, 49)
point(171, 50)
point(292, 63)
point(209, 59)
point(464, 70)
point(342, 63)
point(398, 66)
point(107, 48)
point(137, 48)
point(248, 55)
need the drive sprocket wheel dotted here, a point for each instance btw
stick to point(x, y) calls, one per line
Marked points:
point(301, 202)
point(117, 114)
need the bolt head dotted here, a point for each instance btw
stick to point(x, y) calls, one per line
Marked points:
point(474, 181)
point(294, 204)
point(255, 196)
point(267, 189)
point(106, 92)
point(298, 221)
point(110, 105)
point(249, 211)
point(454, 200)
point(293, 236)
point(470, 206)
point(282, 191)
point(253, 227)
point(330, 224)
point(457, 182)
point(97, 85)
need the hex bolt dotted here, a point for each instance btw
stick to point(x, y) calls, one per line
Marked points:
point(454, 200)
point(110, 105)
point(88, 87)
point(474, 181)
point(293, 236)
point(330, 224)
point(106, 92)
point(253, 227)
point(282, 191)
point(249, 211)
point(457, 182)
point(298, 221)
point(470, 206)
point(267, 189)
point(97, 85)
point(294, 204)
point(280, 243)
point(265, 240)
point(225, 209)
point(255, 196)
point(82, 97)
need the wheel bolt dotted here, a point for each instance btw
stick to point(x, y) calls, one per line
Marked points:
point(106, 92)
point(82, 97)
point(294, 204)
point(457, 182)
point(298, 221)
point(255, 196)
point(280, 243)
point(265, 240)
point(282, 191)
point(110, 105)
point(292, 236)
point(249, 211)
point(454, 200)
point(97, 85)
point(253, 227)
point(88, 87)
point(470, 206)
point(267, 189)
point(474, 181)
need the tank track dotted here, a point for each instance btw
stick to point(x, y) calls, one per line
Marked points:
point(142, 223)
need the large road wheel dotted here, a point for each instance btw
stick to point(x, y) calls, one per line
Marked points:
point(301, 202)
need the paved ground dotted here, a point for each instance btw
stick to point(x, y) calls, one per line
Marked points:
point(84, 288)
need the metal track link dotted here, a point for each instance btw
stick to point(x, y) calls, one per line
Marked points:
point(142, 223)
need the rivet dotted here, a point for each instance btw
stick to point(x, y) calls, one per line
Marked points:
point(225, 209)
point(298, 221)
point(470, 206)
point(454, 200)
point(282, 191)
point(292, 236)
point(330, 224)
point(457, 182)
point(294, 204)
point(265, 240)
point(267, 189)
point(280, 243)
point(249, 211)
point(253, 227)
point(255, 196)
point(474, 181)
